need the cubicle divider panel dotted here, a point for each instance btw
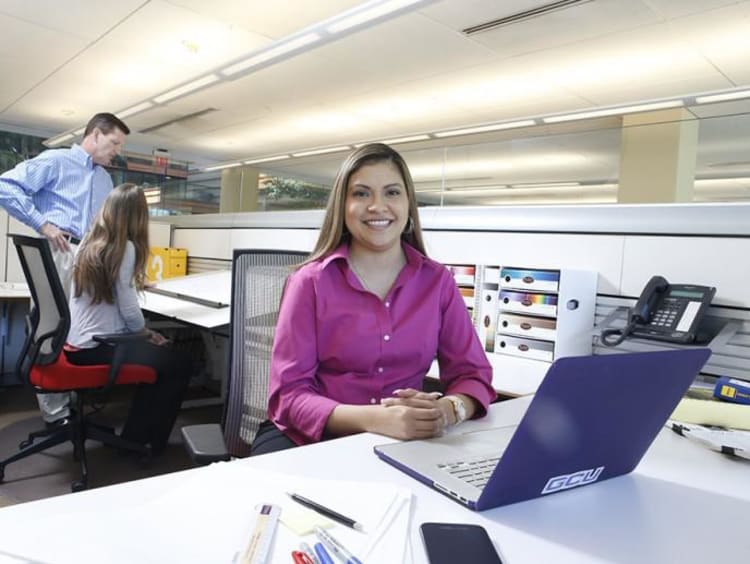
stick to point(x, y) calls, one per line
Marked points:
point(204, 242)
point(219, 243)
point(288, 239)
point(625, 244)
point(709, 261)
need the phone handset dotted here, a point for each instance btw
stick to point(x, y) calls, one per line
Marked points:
point(643, 310)
point(640, 314)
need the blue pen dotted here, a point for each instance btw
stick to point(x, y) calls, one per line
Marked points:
point(304, 547)
point(335, 546)
point(322, 553)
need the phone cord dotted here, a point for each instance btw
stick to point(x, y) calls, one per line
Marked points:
point(613, 337)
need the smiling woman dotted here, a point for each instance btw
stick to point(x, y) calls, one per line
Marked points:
point(363, 318)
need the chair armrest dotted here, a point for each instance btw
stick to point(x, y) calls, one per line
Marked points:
point(205, 443)
point(117, 338)
point(123, 344)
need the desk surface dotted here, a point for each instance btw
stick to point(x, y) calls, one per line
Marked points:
point(683, 503)
point(14, 290)
point(214, 286)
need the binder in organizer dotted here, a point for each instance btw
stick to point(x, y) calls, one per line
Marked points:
point(485, 309)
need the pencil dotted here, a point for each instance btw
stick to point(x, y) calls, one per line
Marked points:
point(330, 513)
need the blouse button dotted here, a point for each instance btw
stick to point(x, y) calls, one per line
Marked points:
point(386, 337)
point(373, 400)
point(387, 304)
point(380, 369)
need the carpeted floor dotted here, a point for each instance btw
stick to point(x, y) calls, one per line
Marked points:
point(50, 473)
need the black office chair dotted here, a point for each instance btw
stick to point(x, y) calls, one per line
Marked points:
point(258, 279)
point(43, 365)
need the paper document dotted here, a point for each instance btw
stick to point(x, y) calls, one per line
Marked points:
point(207, 515)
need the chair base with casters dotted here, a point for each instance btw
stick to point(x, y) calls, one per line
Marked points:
point(43, 365)
point(78, 431)
point(52, 377)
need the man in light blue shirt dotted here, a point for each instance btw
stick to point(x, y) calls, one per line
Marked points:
point(58, 193)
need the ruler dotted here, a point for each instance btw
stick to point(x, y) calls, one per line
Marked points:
point(259, 545)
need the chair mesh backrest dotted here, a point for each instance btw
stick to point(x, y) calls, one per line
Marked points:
point(49, 313)
point(258, 279)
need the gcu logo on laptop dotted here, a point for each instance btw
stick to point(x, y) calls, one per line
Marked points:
point(567, 481)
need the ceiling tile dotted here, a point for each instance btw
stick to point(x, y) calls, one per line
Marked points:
point(79, 18)
point(568, 26)
point(272, 19)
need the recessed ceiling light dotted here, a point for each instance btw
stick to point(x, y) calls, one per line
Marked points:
point(408, 139)
point(221, 166)
point(615, 111)
point(322, 151)
point(368, 14)
point(485, 128)
point(275, 51)
point(185, 88)
point(736, 95)
point(134, 109)
point(266, 159)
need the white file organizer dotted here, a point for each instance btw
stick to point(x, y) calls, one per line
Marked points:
point(527, 318)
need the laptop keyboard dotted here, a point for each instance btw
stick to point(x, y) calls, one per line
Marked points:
point(476, 471)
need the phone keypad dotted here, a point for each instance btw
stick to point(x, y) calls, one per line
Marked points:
point(666, 316)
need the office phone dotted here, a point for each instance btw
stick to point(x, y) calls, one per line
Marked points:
point(665, 312)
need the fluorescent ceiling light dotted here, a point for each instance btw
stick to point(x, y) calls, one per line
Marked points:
point(185, 88)
point(360, 17)
point(266, 159)
point(273, 52)
point(59, 139)
point(405, 139)
point(485, 128)
point(614, 111)
point(322, 151)
point(221, 166)
point(486, 191)
point(722, 97)
point(79, 131)
point(546, 185)
point(134, 109)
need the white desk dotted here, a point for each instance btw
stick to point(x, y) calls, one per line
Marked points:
point(214, 286)
point(683, 504)
point(9, 290)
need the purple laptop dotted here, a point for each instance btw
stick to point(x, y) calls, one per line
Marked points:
point(592, 418)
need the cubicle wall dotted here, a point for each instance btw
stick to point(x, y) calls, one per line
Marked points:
point(706, 244)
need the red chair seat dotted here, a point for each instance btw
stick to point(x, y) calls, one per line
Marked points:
point(62, 375)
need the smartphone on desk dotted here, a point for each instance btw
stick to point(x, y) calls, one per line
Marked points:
point(450, 543)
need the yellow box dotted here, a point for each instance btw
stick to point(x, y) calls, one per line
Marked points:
point(166, 262)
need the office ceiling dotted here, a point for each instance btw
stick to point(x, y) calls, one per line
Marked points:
point(415, 72)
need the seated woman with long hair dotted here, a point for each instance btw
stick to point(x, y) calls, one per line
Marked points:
point(363, 318)
point(108, 273)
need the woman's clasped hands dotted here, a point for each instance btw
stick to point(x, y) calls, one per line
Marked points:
point(413, 414)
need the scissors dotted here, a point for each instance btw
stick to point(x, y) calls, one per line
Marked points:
point(300, 557)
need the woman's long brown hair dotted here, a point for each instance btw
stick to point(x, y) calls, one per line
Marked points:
point(333, 231)
point(122, 217)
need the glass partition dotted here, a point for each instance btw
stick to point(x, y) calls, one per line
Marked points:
point(566, 163)
point(164, 180)
point(562, 164)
